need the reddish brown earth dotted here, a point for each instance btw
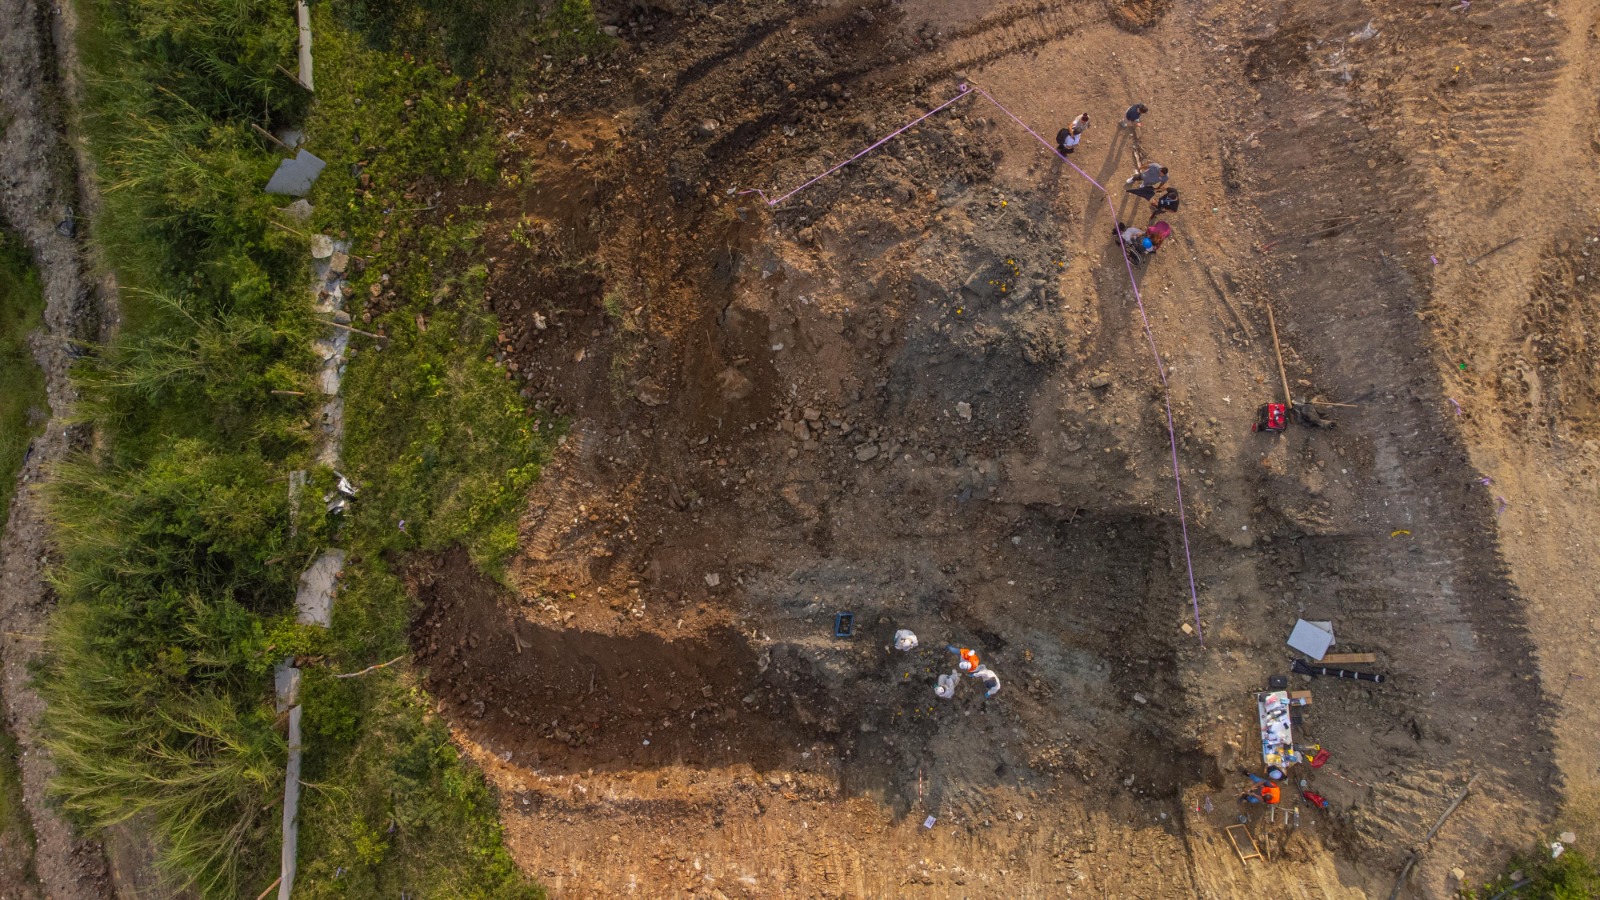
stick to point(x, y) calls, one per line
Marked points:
point(880, 397)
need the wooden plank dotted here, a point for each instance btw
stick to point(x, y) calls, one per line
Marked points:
point(1341, 659)
point(303, 17)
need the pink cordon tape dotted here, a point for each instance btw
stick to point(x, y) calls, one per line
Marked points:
point(967, 90)
point(880, 142)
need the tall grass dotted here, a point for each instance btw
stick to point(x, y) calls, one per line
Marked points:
point(177, 560)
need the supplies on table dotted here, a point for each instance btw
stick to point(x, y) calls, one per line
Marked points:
point(1277, 732)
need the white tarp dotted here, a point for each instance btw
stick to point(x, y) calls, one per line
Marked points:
point(1312, 638)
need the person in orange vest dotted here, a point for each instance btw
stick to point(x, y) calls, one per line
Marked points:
point(969, 661)
point(1264, 791)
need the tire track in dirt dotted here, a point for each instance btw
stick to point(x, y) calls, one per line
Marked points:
point(1348, 311)
point(1514, 328)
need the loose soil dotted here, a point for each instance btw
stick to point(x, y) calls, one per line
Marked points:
point(880, 397)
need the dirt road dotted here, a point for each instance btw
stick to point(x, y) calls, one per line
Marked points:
point(38, 196)
point(919, 391)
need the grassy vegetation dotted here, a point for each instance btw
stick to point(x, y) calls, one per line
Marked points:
point(23, 409)
point(1571, 876)
point(16, 829)
point(492, 37)
point(178, 560)
point(23, 406)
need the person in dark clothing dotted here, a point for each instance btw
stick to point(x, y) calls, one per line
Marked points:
point(1166, 203)
point(1130, 119)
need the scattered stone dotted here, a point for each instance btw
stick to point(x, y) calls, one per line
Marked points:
point(713, 580)
point(298, 211)
point(964, 410)
point(1140, 699)
point(321, 246)
point(734, 385)
point(867, 452)
point(1100, 380)
point(706, 128)
point(649, 392)
point(1568, 837)
point(1458, 874)
point(338, 262)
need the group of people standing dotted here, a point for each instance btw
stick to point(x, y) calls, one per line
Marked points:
point(1149, 181)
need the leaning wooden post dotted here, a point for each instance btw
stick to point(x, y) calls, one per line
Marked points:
point(1278, 351)
point(303, 12)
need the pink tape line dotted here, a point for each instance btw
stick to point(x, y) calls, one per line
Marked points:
point(1144, 318)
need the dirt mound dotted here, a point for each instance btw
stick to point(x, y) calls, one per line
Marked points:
point(1137, 15)
point(569, 700)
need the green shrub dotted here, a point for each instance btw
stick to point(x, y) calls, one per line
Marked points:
point(23, 405)
point(178, 559)
point(1570, 876)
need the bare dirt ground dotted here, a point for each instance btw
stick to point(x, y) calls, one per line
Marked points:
point(877, 398)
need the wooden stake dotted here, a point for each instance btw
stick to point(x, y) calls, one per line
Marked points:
point(293, 77)
point(371, 668)
point(293, 231)
point(1474, 261)
point(1439, 824)
point(271, 137)
point(1331, 403)
point(1404, 871)
point(290, 393)
point(275, 883)
point(355, 330)
point(1278, 351)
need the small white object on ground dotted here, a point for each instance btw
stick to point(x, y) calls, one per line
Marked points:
point(905, 640)
point(1556, 850)
point(928, 822)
